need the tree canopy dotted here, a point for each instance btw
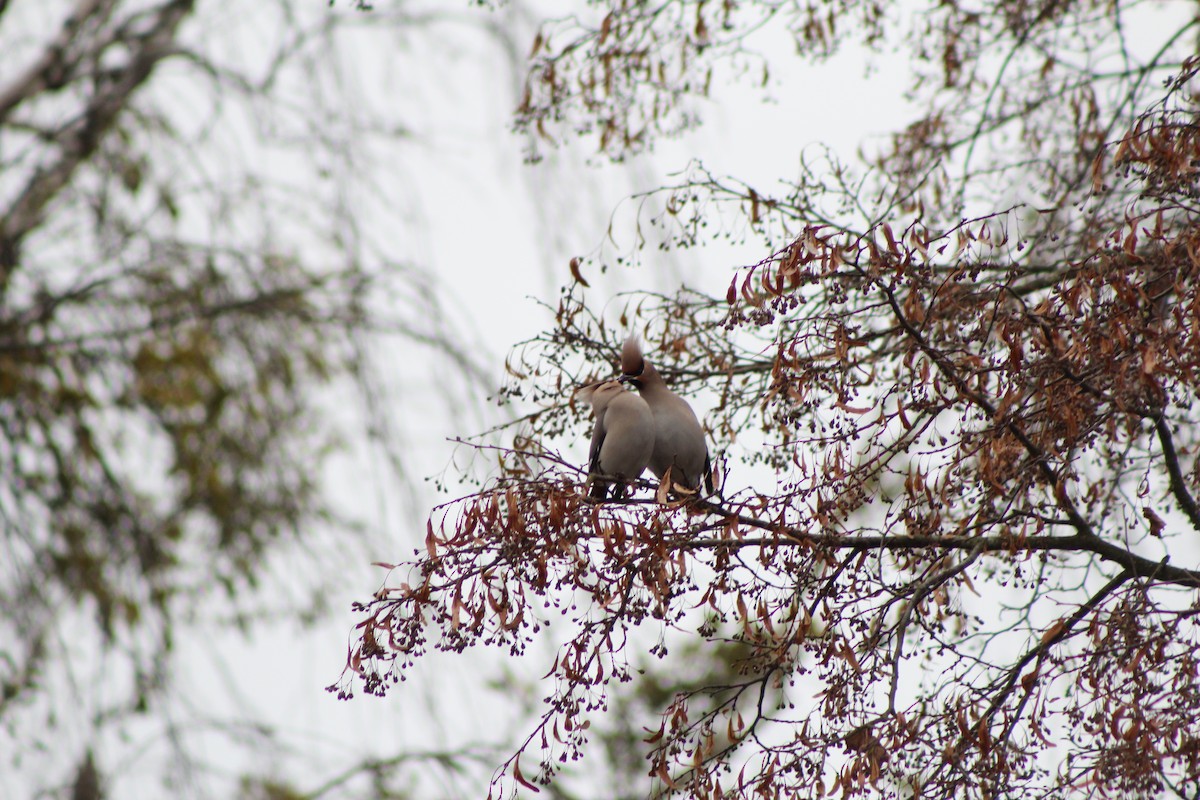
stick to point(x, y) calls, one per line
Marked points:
point(183, 283)
point(960, 377)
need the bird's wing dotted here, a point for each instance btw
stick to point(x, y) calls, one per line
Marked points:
point(598, 434)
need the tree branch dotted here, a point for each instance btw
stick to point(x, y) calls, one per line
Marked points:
point(53, 69)
point(1043, 647)
point(1040, 459)
point(82, 138)
point(1178, 486)
point(919, 592)
point(1137, 566)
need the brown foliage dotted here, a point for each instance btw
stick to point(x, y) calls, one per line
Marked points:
point(975, 576)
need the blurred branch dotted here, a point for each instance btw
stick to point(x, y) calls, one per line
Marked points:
point(78, 140)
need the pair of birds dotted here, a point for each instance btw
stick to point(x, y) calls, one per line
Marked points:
point(655, 428)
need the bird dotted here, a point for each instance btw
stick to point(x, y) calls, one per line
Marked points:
point(679, 443)
point(622, 438)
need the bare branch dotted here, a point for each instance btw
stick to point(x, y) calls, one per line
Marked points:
point(1187, 503)
point(80, 138)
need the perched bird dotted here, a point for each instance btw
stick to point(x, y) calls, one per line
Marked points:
point(678, 438)
point(622, 438)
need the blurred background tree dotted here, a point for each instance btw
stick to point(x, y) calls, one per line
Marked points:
point(198, 262)
point(956, 384)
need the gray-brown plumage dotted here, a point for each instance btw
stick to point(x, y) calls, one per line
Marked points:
point(678, 438)
point(622, 438)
